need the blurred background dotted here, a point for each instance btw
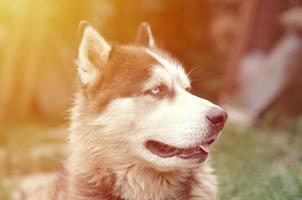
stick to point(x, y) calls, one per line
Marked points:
point(245, 55)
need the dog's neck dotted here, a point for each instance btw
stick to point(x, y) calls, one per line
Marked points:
point(130, 183)
point(137, 182)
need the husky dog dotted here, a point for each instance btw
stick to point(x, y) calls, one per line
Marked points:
point(136, 131)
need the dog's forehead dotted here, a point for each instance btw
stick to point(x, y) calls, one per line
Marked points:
point(173, 68)
point(131, 58)
point(134, 61)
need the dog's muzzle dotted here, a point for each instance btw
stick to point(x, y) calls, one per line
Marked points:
point(216, 119)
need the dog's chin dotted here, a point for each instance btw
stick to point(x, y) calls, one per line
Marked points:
point(196, 153)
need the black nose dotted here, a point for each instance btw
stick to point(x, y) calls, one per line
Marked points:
point(217, 118)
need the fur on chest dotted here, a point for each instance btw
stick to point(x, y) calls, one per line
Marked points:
point(134, 184)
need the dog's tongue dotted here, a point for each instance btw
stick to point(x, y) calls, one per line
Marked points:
point(205, 147)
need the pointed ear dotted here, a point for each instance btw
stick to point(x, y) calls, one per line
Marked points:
point(92, 54)
point(144, 36)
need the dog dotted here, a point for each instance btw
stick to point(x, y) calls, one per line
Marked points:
point(136, 131)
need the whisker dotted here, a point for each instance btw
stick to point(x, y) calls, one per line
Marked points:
point(190, 72)
point(196, 80)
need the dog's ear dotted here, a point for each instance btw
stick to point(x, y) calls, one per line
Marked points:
point(92, 54)
point(144, 36)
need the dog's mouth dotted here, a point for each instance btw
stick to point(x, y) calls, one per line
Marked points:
point(199, 152)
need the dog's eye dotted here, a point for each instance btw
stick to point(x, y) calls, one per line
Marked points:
point(155, 91)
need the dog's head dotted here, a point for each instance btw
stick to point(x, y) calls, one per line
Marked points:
point(134, 105)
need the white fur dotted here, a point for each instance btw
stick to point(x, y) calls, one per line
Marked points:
point(91, 42)
point(180, 122)
point(151, 39)
point(160, 75)
point(175, 68)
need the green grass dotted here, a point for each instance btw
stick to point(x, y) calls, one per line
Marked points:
point(259, 164)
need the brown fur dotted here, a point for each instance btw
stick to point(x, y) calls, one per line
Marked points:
point(101, 168)
point(119, 78)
